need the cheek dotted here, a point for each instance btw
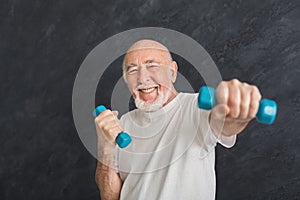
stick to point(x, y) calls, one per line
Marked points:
point(131, 86)
point(163, 79)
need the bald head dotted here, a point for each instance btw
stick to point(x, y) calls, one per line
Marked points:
point(147, 44)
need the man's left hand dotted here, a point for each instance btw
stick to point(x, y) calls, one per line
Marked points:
point(237, 105)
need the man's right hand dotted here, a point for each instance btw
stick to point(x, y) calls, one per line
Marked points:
point(108, 126)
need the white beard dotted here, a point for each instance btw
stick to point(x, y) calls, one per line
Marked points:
point(154, 106)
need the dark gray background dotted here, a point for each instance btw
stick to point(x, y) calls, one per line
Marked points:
point(43, 43)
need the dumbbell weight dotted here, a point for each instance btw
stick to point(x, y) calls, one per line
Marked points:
point(266, 112)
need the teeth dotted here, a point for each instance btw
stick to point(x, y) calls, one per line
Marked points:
point(148, 90)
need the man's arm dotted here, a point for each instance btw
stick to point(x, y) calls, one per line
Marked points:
point(237, 105)
point(108, 182)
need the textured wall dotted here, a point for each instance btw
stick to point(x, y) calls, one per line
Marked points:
point(43, 43)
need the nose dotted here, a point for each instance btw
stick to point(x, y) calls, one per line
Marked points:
point(143, 75)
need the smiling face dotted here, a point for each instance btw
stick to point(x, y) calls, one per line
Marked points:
point(150, 73)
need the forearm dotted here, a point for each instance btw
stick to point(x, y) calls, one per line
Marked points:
point(227, 127)
point(234, 129)
point(108, 182)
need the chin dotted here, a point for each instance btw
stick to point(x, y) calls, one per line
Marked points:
point(152, 106)
point(147, 106)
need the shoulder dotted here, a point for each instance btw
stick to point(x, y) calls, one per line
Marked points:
point(187, 96)
point(188, 100)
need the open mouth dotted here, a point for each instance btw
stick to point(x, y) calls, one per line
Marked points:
point(148, 90)
point(148, 94)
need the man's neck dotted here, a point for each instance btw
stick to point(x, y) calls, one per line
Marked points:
point(174, 93)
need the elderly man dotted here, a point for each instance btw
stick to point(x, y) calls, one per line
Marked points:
point(172, 151)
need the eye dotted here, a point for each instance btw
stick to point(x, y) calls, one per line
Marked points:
point(132, 70)
point(152, 66)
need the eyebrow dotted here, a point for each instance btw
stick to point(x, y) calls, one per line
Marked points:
point(146, 62)
point(151, 61)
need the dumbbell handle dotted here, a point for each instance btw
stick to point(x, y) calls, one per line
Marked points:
point(123, 139)
point(266, 112)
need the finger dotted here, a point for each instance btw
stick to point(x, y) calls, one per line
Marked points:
point(101, 120)
point(222, 93)
point(111, 122)
point(234, 98)
point(105, 117)
point(102, 115)
point(245, 100)
point(109, 131)
point(115, 113)
point(254, 102)
point(112, 131)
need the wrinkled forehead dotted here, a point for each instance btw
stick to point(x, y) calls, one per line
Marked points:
point(142, 55)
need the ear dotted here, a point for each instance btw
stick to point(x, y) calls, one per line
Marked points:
point(174, 71)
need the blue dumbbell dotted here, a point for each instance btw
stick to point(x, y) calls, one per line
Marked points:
point(123, 139)
point(266, 112)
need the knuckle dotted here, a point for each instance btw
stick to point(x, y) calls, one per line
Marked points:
point(106, 112)
point(255, 88)
point(221, 86)
point(222, 83)
point(259, 96)
point(244, 84)
point(256, 92)
point(235, 81)
point(98, 121)
point(222, 92)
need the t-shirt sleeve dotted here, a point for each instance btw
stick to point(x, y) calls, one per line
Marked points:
point(227, 141)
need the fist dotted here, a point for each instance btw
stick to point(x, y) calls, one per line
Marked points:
point(108, 126)
point(238, 104)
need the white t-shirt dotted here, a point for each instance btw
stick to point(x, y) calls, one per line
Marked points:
point(171, 155)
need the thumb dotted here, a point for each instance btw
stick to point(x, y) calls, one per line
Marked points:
point(220, 111)
point(217, 118)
